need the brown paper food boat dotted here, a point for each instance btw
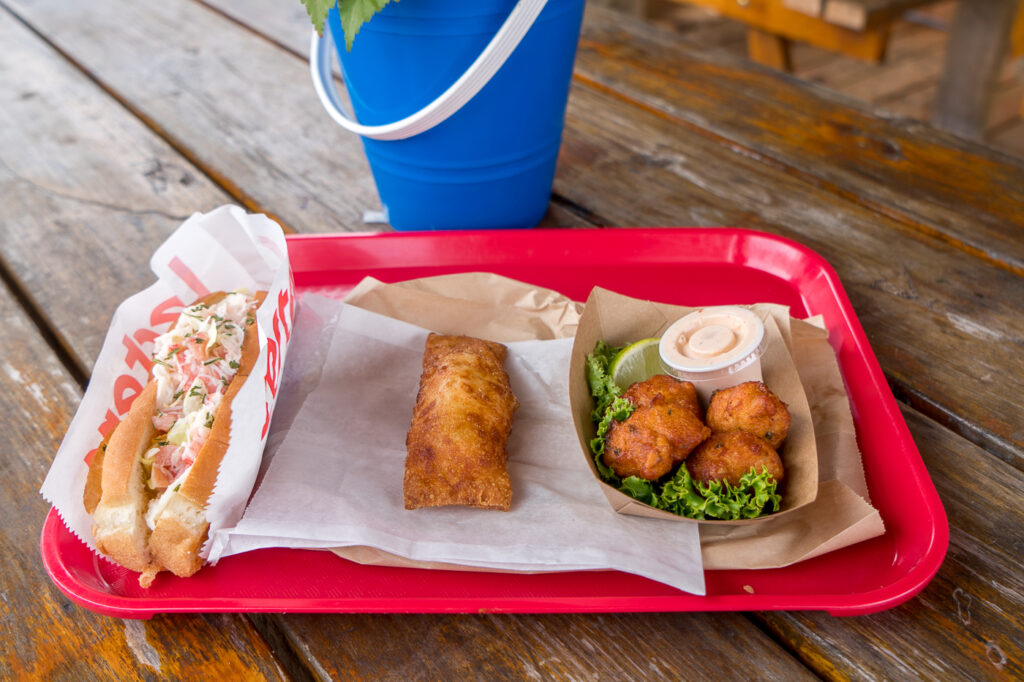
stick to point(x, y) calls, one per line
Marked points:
point(620, 320)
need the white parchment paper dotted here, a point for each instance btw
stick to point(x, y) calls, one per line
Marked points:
point(334, 466)
point(223, 250)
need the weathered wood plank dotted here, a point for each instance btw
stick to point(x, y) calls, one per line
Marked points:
point(55, 639)
point(968, 623)
point(678, 165)
point(561, 647)
point(978, 43)
point(87, 191)
point(946, 187)
point(823, 137)
point(249, 119)
point(916, 297)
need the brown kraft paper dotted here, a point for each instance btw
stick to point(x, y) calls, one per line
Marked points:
point(837, 515)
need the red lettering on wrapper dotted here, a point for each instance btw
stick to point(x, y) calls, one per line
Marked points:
point(165, 312)
point(145, 336)
point(273, 365)
point(284, 301)
point(126, 389)
point(280, 327)
point(135, 355)
point(109, 424)
point(188, 277)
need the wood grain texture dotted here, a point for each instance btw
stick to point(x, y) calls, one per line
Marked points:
point(915, 297)
point(943, 186)
point(656, 135)
point(978, 43)
point(52, 635)
point(678, 140)
point(87, 191)
point(559, 647)
point(968, 623)
point(229, 101)
point(225, 97)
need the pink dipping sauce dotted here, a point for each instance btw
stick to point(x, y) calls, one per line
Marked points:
point(714, 348)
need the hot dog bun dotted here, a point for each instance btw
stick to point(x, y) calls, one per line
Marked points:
point(118, 496)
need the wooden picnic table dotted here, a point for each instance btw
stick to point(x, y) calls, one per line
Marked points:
point(980, 40)
point(120, 119)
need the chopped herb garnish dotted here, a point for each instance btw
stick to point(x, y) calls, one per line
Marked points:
point(177, 487)
point(196, 390)
point(176, 349)
point(233, 365)
point(209, 420)
point(161, 443)
point(210, 362)
point(160, 362)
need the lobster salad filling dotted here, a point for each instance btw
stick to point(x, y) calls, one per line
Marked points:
point(193, 365)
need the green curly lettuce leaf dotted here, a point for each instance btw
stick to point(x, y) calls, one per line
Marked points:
point(608, 403)
point(602, 388)
point(679, 494)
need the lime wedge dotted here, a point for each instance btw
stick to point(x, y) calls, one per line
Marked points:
point(636, 362)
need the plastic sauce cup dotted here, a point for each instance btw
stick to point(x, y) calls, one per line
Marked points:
point(714, 348)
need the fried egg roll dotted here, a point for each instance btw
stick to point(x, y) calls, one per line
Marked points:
point(457, 445)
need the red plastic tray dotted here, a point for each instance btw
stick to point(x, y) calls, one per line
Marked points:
point(687, 266)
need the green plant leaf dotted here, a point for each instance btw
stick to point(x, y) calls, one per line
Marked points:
point(355, 13)
point(317, 10)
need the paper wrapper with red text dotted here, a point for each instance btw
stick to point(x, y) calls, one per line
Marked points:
point(223, 250)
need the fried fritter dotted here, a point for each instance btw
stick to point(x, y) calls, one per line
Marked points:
point(728, 456)
point(457, 444)
point(643, 393)
point(664, 428)
point(750, 407)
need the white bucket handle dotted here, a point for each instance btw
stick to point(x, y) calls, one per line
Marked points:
point(451, 100)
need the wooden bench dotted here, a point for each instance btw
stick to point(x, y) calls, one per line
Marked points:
point(983, 33)
point(856, 28)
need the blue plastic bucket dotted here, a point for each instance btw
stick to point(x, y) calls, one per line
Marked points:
point(491, 164)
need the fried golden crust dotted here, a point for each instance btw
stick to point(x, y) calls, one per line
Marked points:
point(457, 444)
point(643, 393)
point(663, 429)
point(728, 456)
point(750, 407)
